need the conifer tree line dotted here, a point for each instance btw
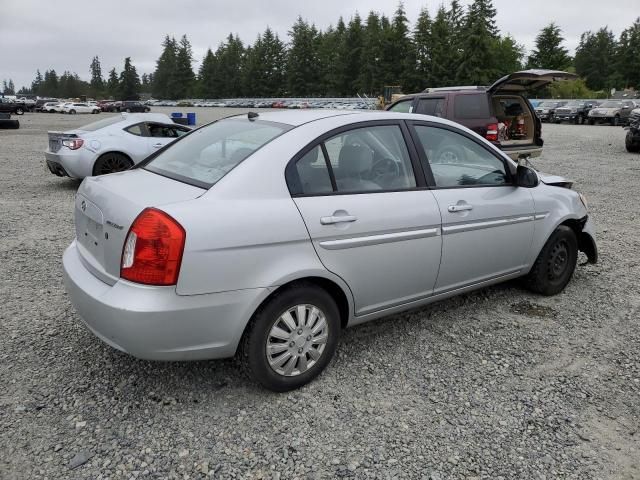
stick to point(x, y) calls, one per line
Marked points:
point(452, 46)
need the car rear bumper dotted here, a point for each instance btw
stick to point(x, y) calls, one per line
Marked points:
point(515, 153)
point(73, 164)
point(155, 323)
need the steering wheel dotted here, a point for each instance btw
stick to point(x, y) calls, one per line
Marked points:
point(384, 167)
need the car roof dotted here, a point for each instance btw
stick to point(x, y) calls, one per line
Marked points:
point(298, 117)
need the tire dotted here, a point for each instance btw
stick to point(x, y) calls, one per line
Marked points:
point(95, 112)
point(629, 143)
point(592, 121)
point(111, 163)
point(128, 110)
point(19, 111)
point(263, 367)
point(555, 264)
point(72, 112)
point(580, 120)
point(7, 124)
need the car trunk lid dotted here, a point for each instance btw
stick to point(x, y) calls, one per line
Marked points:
point(56, 139)
point(529, 80)
point(105, 208)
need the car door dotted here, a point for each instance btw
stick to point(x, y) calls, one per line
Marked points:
point(487, 221)
point(160, 135)
point(137, 142)
point(370, 217)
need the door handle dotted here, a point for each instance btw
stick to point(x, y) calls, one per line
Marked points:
point(158, 145)
point(460, 208)
point(333, 219)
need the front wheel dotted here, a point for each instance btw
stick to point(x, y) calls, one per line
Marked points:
point(555, 264)
point(292, 338)
point(19, 111)
point(111, 163)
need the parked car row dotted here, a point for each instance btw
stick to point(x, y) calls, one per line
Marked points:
point(613, 112)
point(123, 106)
point(334, 104)
point(70, 107)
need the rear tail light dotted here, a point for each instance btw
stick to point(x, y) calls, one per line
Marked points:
point(492, 132)
point(152, 252)
point(73, 143)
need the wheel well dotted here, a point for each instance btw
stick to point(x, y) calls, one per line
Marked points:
point(108, 153)
point(330, 287)
point(585, 243)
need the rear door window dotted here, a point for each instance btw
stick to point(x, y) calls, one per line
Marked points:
point(471, 106)
point(431, 106)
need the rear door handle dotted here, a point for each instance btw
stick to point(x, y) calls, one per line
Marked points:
point(337, 219)
point(460, 208)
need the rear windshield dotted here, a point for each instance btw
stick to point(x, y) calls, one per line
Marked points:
point(471, 106)
point(92, 127)
point(206, 155)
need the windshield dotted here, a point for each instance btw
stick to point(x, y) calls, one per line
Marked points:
point(548, 104)
point(209, 153)
point(574, 103)
point(610, 104)
point(92, 127)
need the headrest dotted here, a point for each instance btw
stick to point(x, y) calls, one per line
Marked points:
point(355, 159)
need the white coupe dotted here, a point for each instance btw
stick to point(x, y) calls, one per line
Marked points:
point(110, 145)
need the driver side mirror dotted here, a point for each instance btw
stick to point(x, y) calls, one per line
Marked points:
point(526, 177)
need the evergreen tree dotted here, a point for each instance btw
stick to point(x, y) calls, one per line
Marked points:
point(508, 56)
point(228, 74)
point(163, 76)
point(549, 52)
point(595, 58)
point(113, 84)
point(443, 72)
point(332, 58)
point(424, 49)
point(36, 85)
point(303, 72)
point(129, 82)
point(477, 63)
point(50, 84)
point(183, 78)
point(206, 76)
point(352, 51)
point(9, 88)
point(627, 62)
point(97, 82)
point(369, 81)
point(274, 56)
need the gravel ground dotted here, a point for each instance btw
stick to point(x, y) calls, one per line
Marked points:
point(498, 384)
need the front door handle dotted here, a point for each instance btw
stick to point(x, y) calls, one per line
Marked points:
point(158, 145)
point(460, 208)
point(333, 219)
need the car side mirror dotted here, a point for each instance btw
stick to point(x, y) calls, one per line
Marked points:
point(526, 177)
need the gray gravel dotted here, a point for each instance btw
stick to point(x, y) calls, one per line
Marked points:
point(498, 384)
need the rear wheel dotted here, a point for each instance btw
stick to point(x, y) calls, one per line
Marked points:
point(292, 338)
point(555, 264)
point(19, 111)
point(111, 163)
point(95, 112)
point(629, 143)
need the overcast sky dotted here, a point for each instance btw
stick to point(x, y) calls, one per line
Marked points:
point(66, 34)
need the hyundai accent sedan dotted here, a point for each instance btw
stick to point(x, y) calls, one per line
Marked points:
point(263, 236)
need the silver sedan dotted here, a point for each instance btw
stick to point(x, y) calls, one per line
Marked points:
point(264, 235)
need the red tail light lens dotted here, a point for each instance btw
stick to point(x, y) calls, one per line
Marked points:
point(152, 252)
point(73, 143)
point(492, 132)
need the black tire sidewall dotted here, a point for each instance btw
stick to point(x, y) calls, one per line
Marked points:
point(254, 347)
point(98, 165)
point(19, 111)
point(546, 285)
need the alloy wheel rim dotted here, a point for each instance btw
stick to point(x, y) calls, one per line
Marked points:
point(114, 164)
point(297, 340)
point(559, 259)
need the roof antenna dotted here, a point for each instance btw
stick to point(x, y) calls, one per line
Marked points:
point(252, 115)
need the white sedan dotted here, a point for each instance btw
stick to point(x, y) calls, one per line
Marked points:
point(74, 108)
point(110, 145)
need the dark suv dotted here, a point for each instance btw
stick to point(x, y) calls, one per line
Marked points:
point(500, 113)
point(574, 111)
point(129, 106)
